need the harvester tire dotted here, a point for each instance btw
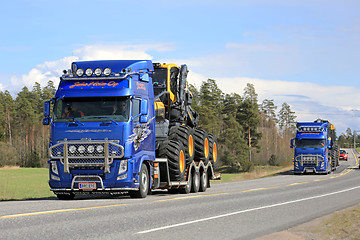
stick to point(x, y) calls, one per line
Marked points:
point(184, 134)
point(201, 145)
point(213, 149)
point(175, 153)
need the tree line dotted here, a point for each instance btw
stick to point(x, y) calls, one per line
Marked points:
point(248, 133)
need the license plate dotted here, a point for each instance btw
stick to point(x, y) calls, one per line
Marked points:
point(87, 185)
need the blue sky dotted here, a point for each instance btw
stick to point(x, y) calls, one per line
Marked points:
point(305, 53)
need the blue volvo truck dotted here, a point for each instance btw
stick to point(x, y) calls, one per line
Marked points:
point(315, 147)
point(126, 126)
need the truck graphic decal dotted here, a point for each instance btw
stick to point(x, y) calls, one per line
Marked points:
point(140, 133)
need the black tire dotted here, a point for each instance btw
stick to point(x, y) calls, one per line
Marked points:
point(213, 149)
point(184, 134)
point(143, 183)
point(203, 181)
point(195, 182)
point(175, 153)
point(201, 145)
point(187, 188)
point(69, 196)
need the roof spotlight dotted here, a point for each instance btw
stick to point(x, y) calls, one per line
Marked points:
point(98, 72)
point(79, 72)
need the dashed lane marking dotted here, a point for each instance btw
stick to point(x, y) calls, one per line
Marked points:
point(59, 211)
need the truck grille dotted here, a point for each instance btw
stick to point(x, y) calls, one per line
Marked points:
point(309, 159)
point(92, 153)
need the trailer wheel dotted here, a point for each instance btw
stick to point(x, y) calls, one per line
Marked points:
point(175, 153)
point(187, 188)
point(203, 181)
point(213, 149)
point(143, 183)
point(69, 196)
point(195, 182)
point(201, 145)
point(184, 135)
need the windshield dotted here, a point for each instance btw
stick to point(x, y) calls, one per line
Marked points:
point(342, 151)
point(87, 109)
point(310, 143)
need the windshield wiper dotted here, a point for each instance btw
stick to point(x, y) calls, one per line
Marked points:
point(75, 120)
point(107, 118)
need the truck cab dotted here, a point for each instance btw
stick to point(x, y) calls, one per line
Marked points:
point(315, 149)
point(101, 127)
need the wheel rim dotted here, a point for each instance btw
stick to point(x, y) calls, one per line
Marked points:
point(214, 152)
point(182, 161)
point(204, 177)
point(206, 148)
point(144, 180)
point(191, 146)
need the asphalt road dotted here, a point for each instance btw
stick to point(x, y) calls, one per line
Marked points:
point(237, 210)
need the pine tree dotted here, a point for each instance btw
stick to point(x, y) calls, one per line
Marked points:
point(287, 118)
point(248, 117)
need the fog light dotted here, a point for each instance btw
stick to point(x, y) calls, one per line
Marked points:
point(81, 149)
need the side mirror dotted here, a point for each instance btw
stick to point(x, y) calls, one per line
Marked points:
point(47, 109)
point(46, 121)
point(292, 143)
point(144, 107)
point(329, 143)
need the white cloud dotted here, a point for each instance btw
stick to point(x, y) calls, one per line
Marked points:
point(309, 101)
point(113, 52)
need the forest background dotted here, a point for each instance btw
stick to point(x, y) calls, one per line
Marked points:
point(248, 133)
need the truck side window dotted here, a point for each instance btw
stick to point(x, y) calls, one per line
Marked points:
point(136, 109)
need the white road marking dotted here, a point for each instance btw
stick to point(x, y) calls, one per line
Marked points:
point(244, 211)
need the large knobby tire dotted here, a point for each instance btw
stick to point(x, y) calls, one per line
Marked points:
point(143, 183)
point(184, 134)
point(202, 151)
point(175, 153)
point(213, 149)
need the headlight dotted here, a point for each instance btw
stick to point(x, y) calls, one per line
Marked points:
point(91, 149)
point(81, 149)
point(123, 166)
point(89, 72)
point(72, 149)
point(79, 72)
point(98, 72)
point(99, 148)
point(54, 168)
point(107, 71)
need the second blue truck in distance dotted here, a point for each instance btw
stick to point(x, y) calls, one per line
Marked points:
point(315, 147)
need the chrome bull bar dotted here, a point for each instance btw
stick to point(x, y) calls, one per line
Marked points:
point(86, 153)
